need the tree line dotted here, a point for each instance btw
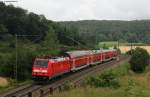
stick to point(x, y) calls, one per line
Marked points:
point(95, 31)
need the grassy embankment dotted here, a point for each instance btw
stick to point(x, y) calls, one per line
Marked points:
point(130, 85)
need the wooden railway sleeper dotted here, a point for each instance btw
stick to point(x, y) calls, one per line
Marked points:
point(30, 94)
point(41, 93)
point(51, 90)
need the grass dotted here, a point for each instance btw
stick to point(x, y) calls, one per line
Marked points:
point(131, 85)
point(110, 44)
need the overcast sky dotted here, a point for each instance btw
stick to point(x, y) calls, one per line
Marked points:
point(66, 10)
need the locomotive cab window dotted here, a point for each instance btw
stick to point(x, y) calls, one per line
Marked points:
point(41, 63)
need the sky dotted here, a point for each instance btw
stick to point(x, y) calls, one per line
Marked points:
point(73, 10)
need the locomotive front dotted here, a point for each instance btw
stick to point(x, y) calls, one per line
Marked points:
point(40, 69)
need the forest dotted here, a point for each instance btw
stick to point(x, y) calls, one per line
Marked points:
point(94, 31)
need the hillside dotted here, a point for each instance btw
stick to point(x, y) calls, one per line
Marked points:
point(107, 30)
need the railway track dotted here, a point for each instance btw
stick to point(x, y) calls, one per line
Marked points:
point(34, 90)
point(15, 90)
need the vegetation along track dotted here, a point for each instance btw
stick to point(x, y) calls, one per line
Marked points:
point(34, 90)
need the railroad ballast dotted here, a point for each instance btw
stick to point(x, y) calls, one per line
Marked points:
point(47, 68)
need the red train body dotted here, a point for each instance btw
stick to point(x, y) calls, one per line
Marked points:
point(48, 68)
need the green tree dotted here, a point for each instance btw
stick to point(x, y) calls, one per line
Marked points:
point(50, 45)
point(139, 60)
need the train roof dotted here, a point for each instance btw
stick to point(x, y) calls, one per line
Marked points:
point(79, 53)
point(73, 54)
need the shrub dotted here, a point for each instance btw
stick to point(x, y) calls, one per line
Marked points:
point(139, 60)
point(67, 86)
point(107, 79)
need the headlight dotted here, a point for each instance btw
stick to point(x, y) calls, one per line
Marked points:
point(36, 70)
point(43, 71)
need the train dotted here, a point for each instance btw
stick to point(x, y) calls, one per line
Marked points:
point(71, 61)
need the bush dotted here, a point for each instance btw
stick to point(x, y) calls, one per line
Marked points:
point(107, 79)
point(139, 60)
point(67, 86)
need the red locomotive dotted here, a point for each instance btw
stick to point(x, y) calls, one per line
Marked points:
point(47, 68)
